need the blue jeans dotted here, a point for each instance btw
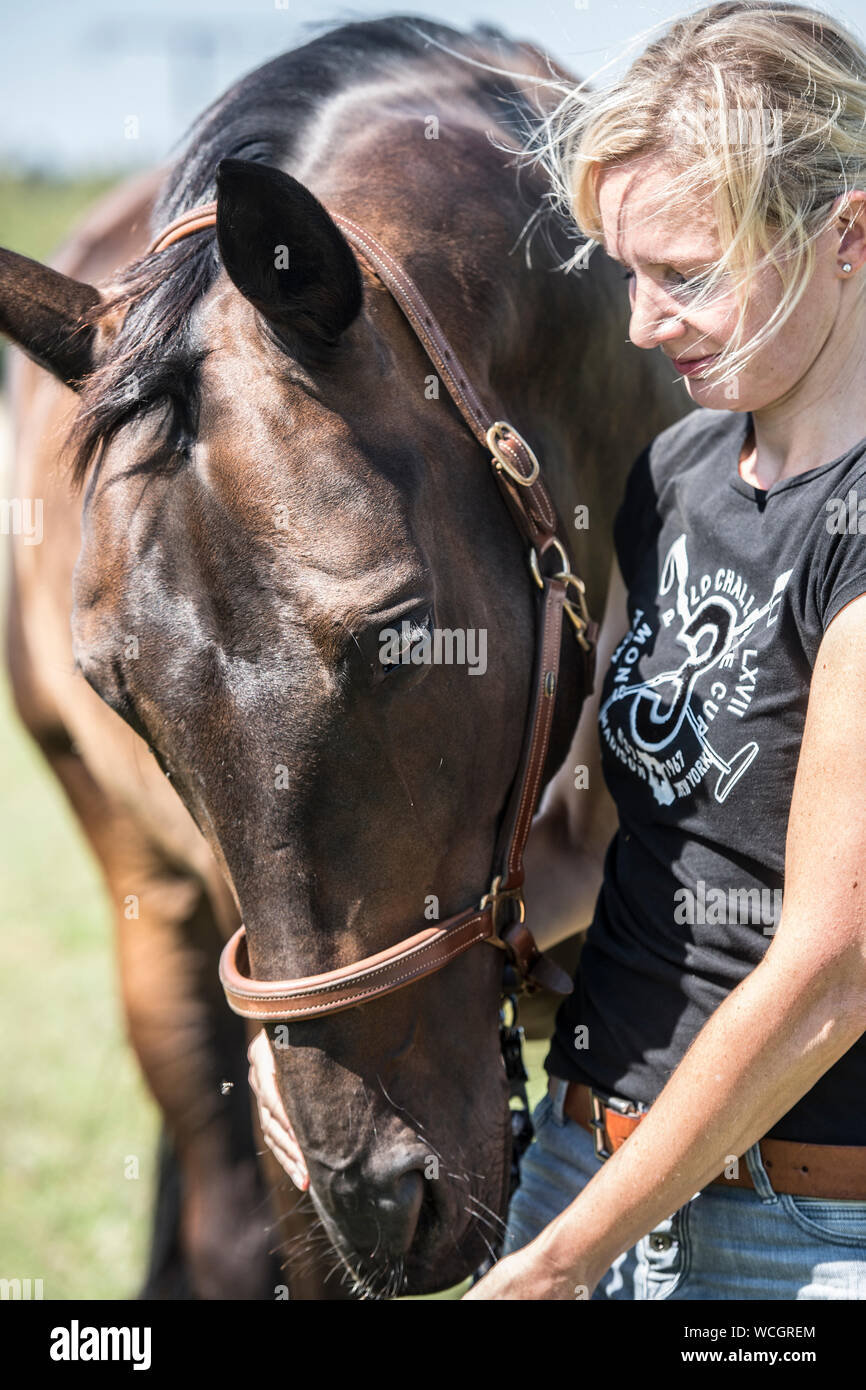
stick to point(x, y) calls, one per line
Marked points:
point(725, 1243)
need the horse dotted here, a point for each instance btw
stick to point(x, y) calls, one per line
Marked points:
point(245, 476)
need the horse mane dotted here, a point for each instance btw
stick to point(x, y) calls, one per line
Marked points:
point(152, 360)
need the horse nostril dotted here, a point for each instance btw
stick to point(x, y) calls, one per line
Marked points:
point(381, 1212)
point(400, 1208)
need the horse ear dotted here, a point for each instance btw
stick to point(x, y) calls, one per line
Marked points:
point(286, 255)
point(44, 313)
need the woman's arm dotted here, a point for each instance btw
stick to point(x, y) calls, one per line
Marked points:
point(774, 1036)
point(573, 827)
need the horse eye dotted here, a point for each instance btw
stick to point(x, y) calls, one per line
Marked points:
point(412, 631)
point(404, 645)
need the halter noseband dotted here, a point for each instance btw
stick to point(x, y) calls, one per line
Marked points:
point(518, 474)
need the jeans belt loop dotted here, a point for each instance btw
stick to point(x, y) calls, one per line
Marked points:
point(754, 1162)
point(558, 1090)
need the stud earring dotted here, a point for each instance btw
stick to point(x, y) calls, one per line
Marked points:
point(846, 267)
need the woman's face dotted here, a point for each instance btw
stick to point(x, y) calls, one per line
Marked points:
point(662, 247)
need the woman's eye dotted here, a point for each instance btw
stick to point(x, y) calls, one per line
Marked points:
point(681, 281)
point(690, 285)
point(678, 283)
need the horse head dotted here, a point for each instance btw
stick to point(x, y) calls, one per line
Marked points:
point(280, 514)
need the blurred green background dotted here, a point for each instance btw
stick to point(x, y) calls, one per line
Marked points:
point(73, 1107)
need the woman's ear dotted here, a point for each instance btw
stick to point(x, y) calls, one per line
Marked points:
point(851, 227)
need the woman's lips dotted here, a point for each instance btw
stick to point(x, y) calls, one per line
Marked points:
point(695, 364)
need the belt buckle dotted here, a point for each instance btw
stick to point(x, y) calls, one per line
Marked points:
point(597, 1122)
point(599, 1104)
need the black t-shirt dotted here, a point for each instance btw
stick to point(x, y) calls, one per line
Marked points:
point(701, 716)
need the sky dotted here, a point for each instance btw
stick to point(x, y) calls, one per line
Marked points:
point(93, 86)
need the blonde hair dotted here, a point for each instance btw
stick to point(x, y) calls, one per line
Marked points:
point(760, 106)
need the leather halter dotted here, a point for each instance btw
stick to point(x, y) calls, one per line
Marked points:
point(518, 474)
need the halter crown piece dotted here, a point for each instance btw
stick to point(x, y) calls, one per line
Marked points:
point(498, 918)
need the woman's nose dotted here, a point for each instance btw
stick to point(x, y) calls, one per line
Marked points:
point(652, 324)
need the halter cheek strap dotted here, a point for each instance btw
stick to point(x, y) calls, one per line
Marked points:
point(492, 921)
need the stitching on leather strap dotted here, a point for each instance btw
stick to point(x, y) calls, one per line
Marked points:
point(283, 993)
point(541, 731)
point(379, 255)
point(332, 1006)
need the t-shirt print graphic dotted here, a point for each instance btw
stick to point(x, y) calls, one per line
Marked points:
point(645, 723)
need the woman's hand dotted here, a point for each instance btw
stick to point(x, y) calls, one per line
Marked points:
point(528, 1274)
point(278, 1133)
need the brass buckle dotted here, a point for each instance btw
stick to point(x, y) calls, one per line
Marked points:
point(501, 463)
point(493, 898)
point(597, 1122)
point(579, 619)
point(599, 1105)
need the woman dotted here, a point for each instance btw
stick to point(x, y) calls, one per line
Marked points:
point(721, 1150)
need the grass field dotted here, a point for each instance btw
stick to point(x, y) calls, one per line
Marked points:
point(73, 1109)
point(36, 213)
point(75, 1119)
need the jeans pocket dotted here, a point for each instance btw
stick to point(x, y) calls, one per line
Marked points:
point(828, 1219)
point(662, 1257)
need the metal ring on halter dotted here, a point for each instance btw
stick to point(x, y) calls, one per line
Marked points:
point(493, 899)
point(579, 620)
point(505, 465)
point(565, 573)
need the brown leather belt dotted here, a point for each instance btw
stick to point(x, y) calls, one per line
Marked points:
point(834, 1171)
